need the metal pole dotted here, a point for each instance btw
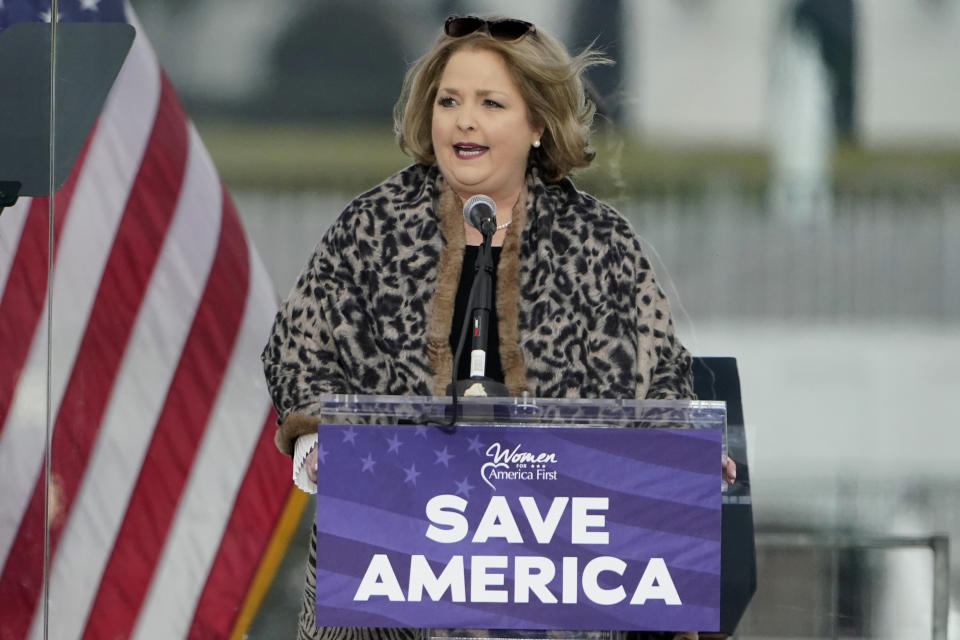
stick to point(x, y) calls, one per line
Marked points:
point(941, 586)
point(834, 592)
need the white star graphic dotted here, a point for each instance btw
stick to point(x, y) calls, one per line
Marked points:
point(349, 435)
point(412, 474)
point(394, 443)
point(421, 430)
point(475, 444)
point(368, 463)
point(464, 488)
point(47, 15)
point(321, 453)
point(443, 457)
point(90, 5)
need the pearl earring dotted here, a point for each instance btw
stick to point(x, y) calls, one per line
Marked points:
point(536, 144)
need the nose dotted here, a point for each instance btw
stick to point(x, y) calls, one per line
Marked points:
point(465, 120)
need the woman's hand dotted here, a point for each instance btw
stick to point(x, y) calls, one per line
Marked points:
point(310, 462)
point(729, 469)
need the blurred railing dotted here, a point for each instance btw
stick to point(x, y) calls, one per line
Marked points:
point(883, 255)
point(835, 544)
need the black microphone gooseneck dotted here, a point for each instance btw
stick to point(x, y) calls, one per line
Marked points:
point(481, 305)
point(480, 212)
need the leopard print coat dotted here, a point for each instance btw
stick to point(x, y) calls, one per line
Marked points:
point(578, 309)
point(579, 312)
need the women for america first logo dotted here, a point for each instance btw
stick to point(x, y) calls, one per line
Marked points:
point(515, 464)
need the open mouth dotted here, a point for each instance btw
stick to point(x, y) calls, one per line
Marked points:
point(466, 151)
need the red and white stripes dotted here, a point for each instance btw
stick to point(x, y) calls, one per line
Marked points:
point(165, 486)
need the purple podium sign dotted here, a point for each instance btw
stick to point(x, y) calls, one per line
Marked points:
point(519, 528)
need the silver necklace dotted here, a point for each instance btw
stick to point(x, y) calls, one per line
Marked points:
point(504, 225)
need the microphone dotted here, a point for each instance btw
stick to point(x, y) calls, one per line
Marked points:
point(480, 212)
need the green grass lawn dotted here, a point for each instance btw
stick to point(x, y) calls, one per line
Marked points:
point(351, 159)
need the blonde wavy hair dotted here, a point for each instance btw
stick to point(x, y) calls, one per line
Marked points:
point(549, 79)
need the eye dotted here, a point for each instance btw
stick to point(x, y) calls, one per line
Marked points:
point(492, 103)
point(446, 101)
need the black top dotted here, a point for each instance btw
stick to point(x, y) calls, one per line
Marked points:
point(494, 367)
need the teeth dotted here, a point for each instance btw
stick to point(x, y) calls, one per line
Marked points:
point(469, 151)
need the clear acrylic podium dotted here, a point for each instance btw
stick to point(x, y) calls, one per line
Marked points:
point(403, 419)
point(524, 411)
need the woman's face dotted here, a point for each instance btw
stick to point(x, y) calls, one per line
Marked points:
point(481, 133)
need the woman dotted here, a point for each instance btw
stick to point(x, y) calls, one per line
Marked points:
point(496, 108)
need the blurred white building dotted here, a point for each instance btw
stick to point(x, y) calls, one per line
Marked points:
point(694, 72)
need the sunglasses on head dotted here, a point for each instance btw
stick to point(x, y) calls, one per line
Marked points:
point(507, 29)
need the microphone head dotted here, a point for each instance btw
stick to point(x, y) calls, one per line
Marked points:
point(479, 209)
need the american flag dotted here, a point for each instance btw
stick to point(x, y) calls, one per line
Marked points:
point(165, 490)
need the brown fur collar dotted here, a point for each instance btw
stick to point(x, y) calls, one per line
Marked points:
point(450, 210)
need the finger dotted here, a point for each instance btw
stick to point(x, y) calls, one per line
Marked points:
point(731, 471)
